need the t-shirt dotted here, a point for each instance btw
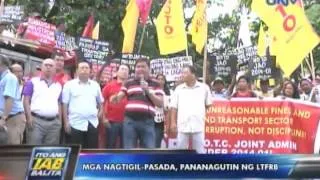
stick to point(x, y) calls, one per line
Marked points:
point(160, 116)
point(139, 104)
point(246, 94)
point(113, 112)
point(62, 78)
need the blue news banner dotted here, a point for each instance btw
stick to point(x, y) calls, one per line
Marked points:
point(111, 166)
point(57, 163)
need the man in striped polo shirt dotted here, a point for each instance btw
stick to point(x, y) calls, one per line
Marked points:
point(143, 93)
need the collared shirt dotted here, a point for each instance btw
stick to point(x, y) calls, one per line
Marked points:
point(45, 97)
point(308, 96)
point(220, 95)
point(9, 86)
point(114, 112)
point(247, 94)
point(139, 104)
point(62, 78)
point(82, 99)
point(191, 104)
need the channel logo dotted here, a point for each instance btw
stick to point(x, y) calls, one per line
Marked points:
point(48, 163)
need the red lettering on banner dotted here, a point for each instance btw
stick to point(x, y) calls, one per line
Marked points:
point(251, 126)
point(289, 22)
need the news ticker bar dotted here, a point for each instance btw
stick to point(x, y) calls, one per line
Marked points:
point(196, 166)
point(54, 163)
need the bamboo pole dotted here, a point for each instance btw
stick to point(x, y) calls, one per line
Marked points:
point(141, 38)
point(302, 70)
point(205, 59)
point(308, 64)
point(2, 7)
point(313, 70)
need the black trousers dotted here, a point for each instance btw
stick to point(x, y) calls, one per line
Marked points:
point(87, 139)
point(159, 128)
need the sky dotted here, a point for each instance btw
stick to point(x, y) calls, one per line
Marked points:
point(214, 11)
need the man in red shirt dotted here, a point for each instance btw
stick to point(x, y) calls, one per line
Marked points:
point(60, 76)
point(114, 113)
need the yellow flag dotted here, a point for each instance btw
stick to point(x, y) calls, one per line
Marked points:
point(129, 26)
point(170, 26)
point(293, 35)
point(266, 39)
point(199, 26)
point(95, 32)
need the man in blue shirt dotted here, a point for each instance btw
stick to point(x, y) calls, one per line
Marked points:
point(82, 108)
point(11, 109)
point(218, 89)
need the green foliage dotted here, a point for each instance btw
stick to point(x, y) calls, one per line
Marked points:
point(75, 13)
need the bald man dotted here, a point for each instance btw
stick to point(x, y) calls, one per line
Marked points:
point(42, 104)
point(17, 70)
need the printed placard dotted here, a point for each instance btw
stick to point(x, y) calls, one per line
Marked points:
point(170, 67)
point(40, 31)
point(12, 14)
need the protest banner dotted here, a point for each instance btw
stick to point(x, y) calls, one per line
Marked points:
point(12, 14)
point(244, 55)
point(170, 67)
point(262, 67)
point(40, 31)
point(271, 126)
point(129, 60)
point(65, 42)
point(93, 50)
point(223, 65)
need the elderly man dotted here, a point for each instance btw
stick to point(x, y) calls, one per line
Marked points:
point(11, 109)
point(17, 70)
point(42, 104)
point(82, 107)
point(188, 110)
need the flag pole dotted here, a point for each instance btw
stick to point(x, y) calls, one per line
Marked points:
point(302, 70)
point(141, 38)
point(187, 51)
point(204, 71)
point(313, 73)
point(308, 64)
point(2, 7)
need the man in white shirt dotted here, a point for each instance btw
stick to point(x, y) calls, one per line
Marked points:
point(308, 93)
point(42, 104)
point(82, 107)
point(188, 110)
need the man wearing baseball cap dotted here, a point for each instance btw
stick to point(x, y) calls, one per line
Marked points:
point(218, 88)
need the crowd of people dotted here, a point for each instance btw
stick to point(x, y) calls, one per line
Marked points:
point(51, 108)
